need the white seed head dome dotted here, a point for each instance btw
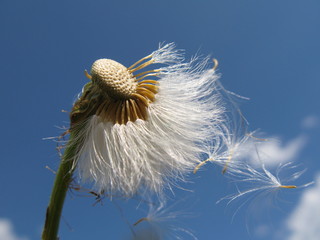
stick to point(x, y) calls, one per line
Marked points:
point(115, 78)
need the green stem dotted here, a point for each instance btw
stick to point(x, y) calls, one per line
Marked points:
point(59, 191)
point(82, 110)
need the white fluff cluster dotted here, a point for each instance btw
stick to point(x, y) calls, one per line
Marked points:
point(163, 221)
point(150, 155)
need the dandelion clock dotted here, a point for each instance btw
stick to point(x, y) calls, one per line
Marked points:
point(139, 129)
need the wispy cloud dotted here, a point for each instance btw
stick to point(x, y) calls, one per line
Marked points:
point(272, 151)
point(7, 232)
point(304, 222)
point(310, 121)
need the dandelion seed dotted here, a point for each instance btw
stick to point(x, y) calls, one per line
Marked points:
point(227, 163)
point(147, 125)
point(201, 164)
point(257, 180)
point(162, 224)
point(216, 63)
point(252, 179)
point(51, 170)
point(225, 152)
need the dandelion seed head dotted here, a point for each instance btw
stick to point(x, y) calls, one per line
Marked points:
point(113, 78)
point(116, 94)
point(147, 129)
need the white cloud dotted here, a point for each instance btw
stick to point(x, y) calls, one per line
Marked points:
point(262, 231)
point(6, 231)
point(272, 151)
point(304, 222)
point(310, 121)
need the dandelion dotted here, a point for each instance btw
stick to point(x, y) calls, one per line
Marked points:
point(146, 128)
point(139, 129)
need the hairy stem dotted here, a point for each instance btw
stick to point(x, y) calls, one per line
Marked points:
point(82, 110)
point(59, 191)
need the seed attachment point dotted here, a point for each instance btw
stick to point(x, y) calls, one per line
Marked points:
point(123, 96)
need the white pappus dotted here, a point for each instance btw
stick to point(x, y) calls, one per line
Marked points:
point(148, 129)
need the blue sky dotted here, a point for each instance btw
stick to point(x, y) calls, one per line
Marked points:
point(268, 51)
